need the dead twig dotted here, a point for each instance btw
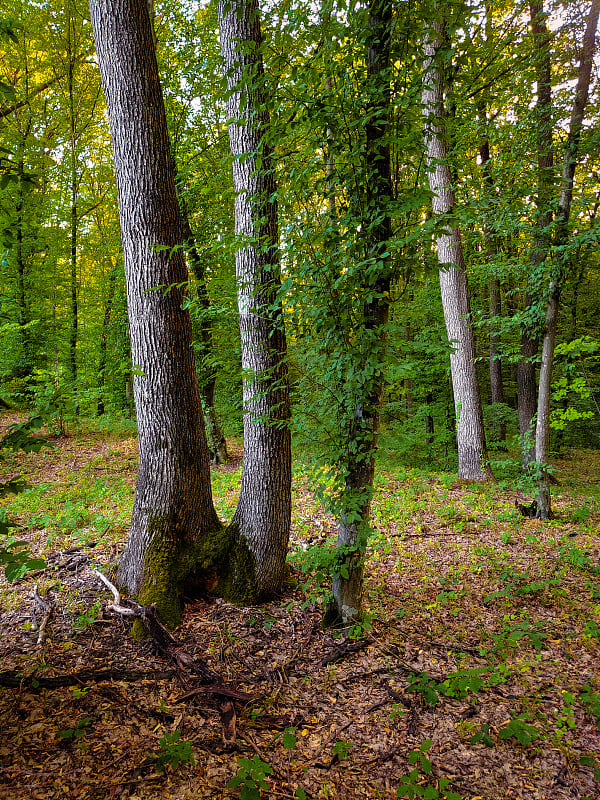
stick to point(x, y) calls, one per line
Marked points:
point(344, 650)
point(47, 608)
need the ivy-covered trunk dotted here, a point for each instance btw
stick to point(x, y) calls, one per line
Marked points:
point(473, 462)
point(264, 508)
point(175, 535)
point(362, 439)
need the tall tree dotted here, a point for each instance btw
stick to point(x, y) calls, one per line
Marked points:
point(527, 366)
point(175, 535)
point(560, 256)
point(264, 508)
point(362, 437)
point(473, 462)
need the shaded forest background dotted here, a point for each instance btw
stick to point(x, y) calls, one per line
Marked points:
point(64, 319)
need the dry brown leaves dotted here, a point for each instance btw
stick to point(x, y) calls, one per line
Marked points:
point(278, 653)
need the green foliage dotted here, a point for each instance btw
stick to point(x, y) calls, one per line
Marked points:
point(591, 702)
point(483, 736)
point(578, 558)
point(515, 635)
point(341, 750)
point(174, 752)
point(14, 553)
point(288, 739)
point(520, 730)
point(86, 618)
point(590, 761)
point(518, 584)
point(251, 778)
point(458, 684)
point(410, 785)
point(77, 732)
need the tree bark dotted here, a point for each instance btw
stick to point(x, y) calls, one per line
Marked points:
point(208, 375)
point(496, 385)
point(74, 220)
point(174, 529)
point(473, 462)
point(526, 367)
point(264, 508)
point(362, 441)
point(112, 282)
point(571, 150)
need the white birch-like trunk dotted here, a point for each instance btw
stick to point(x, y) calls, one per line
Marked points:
point(264, 509)
point(472, 455)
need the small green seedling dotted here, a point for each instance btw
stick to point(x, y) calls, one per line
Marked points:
point(251, 778)
point(174, 752)
point(77, 732)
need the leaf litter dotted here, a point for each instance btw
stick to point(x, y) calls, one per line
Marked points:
point(482, 639)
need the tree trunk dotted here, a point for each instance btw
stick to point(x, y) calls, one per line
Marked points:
point(362, 441)
point(74, 214)
point(26, 366)
point(175, 534)
point(473, 462)
point(112, 282)
point(542, 432)
point(526, 368)
point(264, 509)
point(496, 385)
point(527, 391)
point(216, 440)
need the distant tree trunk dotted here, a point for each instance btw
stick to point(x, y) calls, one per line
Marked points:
point(26, 366)
point(429, 425)
point(74, 213)
point(526, 368)
point(496, 385)
point(216, 440)
point(264, 509)
point(473, 462)
point(112, 282)
point(175, 536)
point(527, 390)
point(571, 151)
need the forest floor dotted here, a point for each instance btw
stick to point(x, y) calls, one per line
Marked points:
point(476, 675)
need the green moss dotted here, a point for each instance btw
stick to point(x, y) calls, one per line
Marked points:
point(219, 561)
point(237, 578)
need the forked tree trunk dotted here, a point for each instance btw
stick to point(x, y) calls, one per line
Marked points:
point(264, 508)
point(473, 462)
point(571, 151)
point(174, 528)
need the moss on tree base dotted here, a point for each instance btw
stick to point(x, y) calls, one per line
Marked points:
point(220, 563)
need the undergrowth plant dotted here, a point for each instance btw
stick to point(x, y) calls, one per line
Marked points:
point(411, 785)
point(174, 752)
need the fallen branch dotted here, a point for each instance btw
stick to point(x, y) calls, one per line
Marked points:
point(166, 644)
point(344, 650)
point(15, 679)
point(47, 608)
